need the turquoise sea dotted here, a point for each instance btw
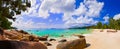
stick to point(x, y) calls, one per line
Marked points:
point(58, 32)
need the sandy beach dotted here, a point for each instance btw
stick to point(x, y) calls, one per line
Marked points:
point(97, 40)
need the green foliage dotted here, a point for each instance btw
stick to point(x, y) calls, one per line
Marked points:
point(105, 26)
point(99, 24)
point(8, 8)
point(4, 23)
point(113, 24)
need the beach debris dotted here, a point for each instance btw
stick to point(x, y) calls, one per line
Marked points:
point(74, 44)
point(52, 39)
point(63, 40)
point(5, 44)
point(47, 44)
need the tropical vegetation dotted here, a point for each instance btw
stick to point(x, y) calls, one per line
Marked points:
point(113, 24)
point(9, 8)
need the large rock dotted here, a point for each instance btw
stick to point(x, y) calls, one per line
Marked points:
point(21, 45)
point(75, 44)
point(33, 38)
point(21, 31)
point(44, 38)
point(12, 34)
point(30, 38)
point(52, 39)
point(20, 35)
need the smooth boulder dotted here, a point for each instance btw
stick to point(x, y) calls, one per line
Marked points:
point(44, 38)
point(4, 44)
point(75, 44)
point(52, 39)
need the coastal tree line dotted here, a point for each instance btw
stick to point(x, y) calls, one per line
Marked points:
point(113, 24)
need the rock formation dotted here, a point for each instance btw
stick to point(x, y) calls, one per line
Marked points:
point(4, 44)
point(75, 44)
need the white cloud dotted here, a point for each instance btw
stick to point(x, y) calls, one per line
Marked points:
point(56, 6)
point(88, 8)
point(20, 23)
point(94, 7)
point(106, 18)
point(86, 12)
point(116, 17)
point(81, 10)
point(81, 21)
point(85, 20)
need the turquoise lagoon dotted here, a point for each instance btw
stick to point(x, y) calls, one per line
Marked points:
point(58, 32)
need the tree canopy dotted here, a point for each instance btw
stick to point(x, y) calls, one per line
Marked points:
point(113, 24)
point(9, 8)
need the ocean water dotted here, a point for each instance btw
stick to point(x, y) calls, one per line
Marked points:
point(58, 32)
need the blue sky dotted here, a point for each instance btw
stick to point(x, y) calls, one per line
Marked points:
point(67, 13)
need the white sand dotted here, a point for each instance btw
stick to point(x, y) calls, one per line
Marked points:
point(103, 40)
point(98, 40)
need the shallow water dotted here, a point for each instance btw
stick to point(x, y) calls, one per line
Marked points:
point(58, 32)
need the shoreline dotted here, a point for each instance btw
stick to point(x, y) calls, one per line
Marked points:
point(97, 39)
